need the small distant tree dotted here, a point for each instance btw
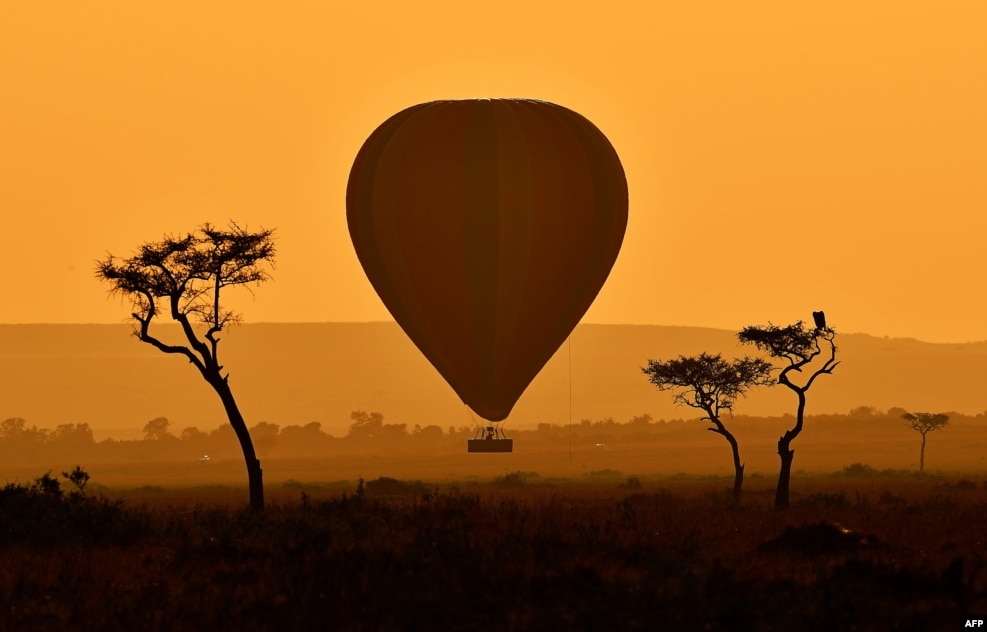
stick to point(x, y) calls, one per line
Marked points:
point(428, 433)
point(20, 443)
point(365, 425)
point(184, 277)
point(73, 435)
point(711, 384)
point(305, 440)
point(266, 435)
point(12, 429)
point(641, 421)
point(924, 423)
point(157, 429)
point(192, 434)
point(798, 347)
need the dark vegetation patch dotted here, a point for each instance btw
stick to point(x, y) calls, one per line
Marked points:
point(821, 538)
point(514, 480)
point(631, 482)
point(394, 555)
point(823, 500)
point(43, 514)
point(862, 470)
point(387, 486)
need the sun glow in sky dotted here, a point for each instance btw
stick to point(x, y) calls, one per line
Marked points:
point(780, 157)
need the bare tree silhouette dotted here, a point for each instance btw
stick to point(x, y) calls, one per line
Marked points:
point(924, 423)
point(711, 384)
point(797, 346)
point(184, 276)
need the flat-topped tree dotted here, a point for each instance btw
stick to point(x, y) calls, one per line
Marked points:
point(798, 347)
point(184, 278)
point(711, 384)
point(924, 423)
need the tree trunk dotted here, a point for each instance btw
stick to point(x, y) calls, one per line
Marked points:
point(255, 476)
point(787, 454)
point(738, 482)
point(255, 479)
point(785, 475)
point(921, 457)
point(738, 467)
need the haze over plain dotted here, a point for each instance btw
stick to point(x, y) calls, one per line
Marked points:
point(779, 158)
point(294, 374)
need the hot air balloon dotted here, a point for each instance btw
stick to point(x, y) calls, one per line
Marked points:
point(487, 227)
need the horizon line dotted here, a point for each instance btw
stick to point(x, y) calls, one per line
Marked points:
point(373, 322)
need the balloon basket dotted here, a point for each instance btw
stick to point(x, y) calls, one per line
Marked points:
point(490, 445)
point(491, 441)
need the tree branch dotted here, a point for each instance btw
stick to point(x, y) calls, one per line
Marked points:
point(830, 364)
point(174, 349)
point(144, 336)
point(207, 360)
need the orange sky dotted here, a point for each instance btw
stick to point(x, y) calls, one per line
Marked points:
point(779, 158)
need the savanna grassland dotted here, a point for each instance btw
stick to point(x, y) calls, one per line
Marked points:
point(859, 549)
point(601, 526)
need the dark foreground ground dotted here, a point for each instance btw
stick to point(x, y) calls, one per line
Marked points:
point(506, 554)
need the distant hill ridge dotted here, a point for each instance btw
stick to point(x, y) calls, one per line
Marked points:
point(295, 373)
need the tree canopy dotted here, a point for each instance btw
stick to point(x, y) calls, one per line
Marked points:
point(708, 382)
point(184, 276)
point(926, 422)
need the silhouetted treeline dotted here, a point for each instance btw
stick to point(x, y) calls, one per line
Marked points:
point(24, 444)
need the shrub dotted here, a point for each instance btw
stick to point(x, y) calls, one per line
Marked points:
point(632, 482)
point(387, 486)
point(42, 514)
point(859, 470)
point(47, 485)
point(512, 480)
point(823, 499)
point(891, 499)
point(78, 477)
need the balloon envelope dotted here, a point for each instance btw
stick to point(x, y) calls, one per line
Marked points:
point(487, 228)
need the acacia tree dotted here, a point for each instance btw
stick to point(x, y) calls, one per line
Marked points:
point(711, 384)
point(184, 277)
point(798, 346)
point(924, 423)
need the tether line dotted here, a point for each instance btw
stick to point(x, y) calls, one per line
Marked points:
point(569, 344)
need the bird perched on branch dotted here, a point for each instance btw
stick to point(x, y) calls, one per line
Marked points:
point(820, 319)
